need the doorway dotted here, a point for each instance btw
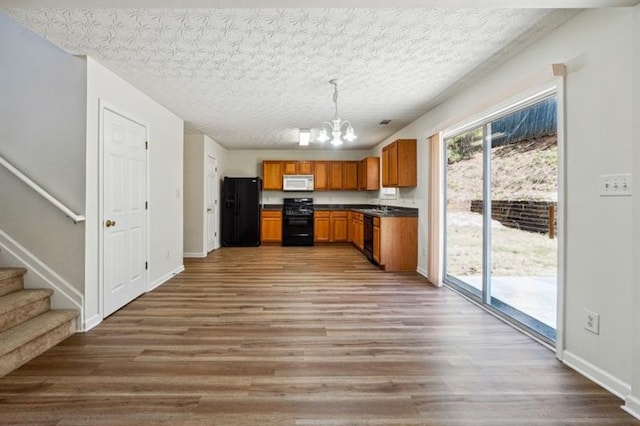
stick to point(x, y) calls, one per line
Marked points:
point(501, 193)
point(124, 218)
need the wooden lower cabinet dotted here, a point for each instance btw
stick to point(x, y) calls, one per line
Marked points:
point(339, 227)
point(376, 239)
point(271, 226)
point(321, 226)
point(397, 243)
point(357, 230)
point(330, 226)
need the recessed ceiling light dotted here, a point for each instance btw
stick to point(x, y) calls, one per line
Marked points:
point(385, 122)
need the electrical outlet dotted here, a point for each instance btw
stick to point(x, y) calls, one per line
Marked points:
point(592, 322)
point(615, 185)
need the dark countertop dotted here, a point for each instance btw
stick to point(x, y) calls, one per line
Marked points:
point(272, 207)
point(367, 209)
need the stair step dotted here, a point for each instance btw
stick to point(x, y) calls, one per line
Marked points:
point(20, 306)
point(25, 341)
point(11, 279)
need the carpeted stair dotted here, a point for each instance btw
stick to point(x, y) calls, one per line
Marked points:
point(27, 325)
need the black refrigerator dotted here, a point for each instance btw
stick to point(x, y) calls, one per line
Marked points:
point(241, 211)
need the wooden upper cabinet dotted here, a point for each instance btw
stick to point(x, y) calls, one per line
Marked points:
point(350, 175)
point(336, 174)
point(369, 174)
point(291, 167)
point(272, 172)
point(399, 164)
point(385, 166)
point(298, 167)
point(393, 164)
point(305, 167)
point(321, 175)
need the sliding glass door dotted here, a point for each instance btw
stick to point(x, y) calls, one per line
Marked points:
point(501, 203)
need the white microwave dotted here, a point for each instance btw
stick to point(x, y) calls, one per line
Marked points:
point(297, 183)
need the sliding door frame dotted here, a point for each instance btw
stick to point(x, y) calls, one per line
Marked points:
point(556, 87)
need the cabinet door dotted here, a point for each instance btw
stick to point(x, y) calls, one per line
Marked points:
point(393, 164)
point(335, 174)
point(321, 227)
point(291, 168)
point(305, 167)
point(339, 227)
point(407, 163)
point(271, 227)
point(376, 243)
point(272, 175)
point(350, 179)
point(360, 235)
point(321, 175)
point(372, 174)
point(362, 171)
point(385, 166)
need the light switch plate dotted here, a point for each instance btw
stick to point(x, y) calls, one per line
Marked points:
point(615, 185)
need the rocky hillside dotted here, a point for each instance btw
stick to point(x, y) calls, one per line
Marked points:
point(521, 171)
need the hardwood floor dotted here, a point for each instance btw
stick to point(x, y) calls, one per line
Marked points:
point(301, 335)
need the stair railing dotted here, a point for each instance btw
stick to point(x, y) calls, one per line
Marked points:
point(73, 216)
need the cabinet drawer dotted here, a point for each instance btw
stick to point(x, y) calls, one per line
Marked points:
point(321, 214)
point(272, 213)
point(338, 213)
point(357, 216)
point(376, 221)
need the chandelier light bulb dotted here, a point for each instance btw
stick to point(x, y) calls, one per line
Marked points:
point(322, 136)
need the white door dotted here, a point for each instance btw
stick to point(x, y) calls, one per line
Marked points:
point(212, 202)
point(123, 214)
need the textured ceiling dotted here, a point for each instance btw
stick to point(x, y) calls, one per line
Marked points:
point(249, 78)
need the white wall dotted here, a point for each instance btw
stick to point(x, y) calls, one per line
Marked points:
point(596, 47)
point(217, 151)
point(194, 194)
point(633, 401)
point(247, 163)
point(196, 148)
point(165, 132)
point(42, 110)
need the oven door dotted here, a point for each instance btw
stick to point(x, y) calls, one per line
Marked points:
point(297, 230)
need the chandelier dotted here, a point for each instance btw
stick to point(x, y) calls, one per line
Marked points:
point(336, 125)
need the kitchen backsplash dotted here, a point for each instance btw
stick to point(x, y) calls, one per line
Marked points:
point(319, 197)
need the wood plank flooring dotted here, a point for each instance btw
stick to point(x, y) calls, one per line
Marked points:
point(301, 336)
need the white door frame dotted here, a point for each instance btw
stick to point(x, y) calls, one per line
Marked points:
point(102, 106)
point(215, 205)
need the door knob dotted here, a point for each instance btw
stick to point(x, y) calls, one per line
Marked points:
point(110, 223)
point(209, 209)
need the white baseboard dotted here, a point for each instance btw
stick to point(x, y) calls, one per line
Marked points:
point(40, 275)
point(91, 322)
point(596, 374)
point(194, 254)
point(632, 406)
point(166, 277)
point(422, 272)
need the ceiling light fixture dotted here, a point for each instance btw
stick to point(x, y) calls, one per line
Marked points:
point(336, 125)
point(304, 137)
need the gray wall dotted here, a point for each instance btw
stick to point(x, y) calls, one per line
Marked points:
point(42, 133)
